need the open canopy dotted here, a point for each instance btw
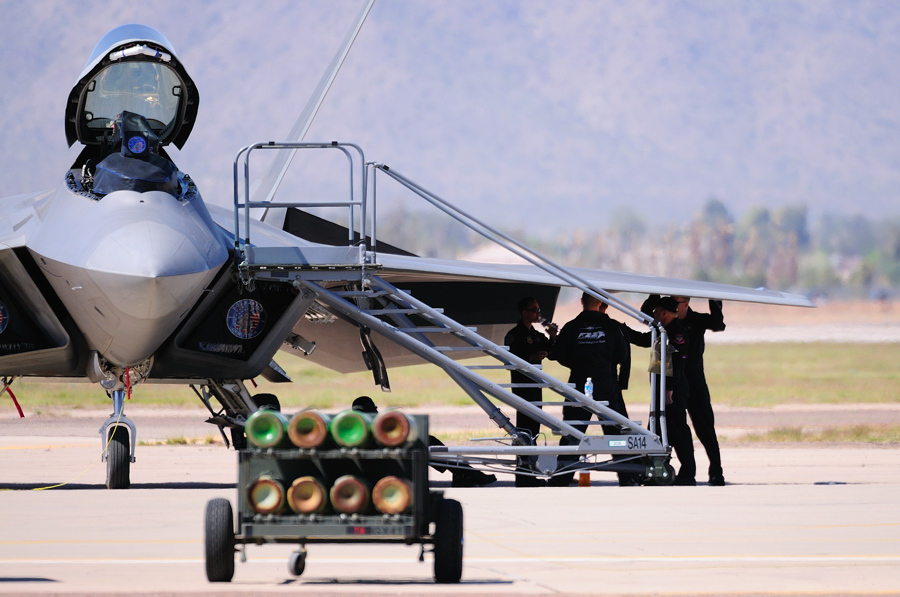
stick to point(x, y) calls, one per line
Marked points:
point(134, 69)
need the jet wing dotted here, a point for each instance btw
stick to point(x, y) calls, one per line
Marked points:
point(16, 214)
point(35, 338)
point(410, 268)
point(402, 268)
point(474, 294)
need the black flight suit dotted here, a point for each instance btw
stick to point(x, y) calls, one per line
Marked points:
point(676, 413)
point(523, 342)
point(699, 406)
point(591, 345)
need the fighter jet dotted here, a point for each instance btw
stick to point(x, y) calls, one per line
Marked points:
point(122, 275)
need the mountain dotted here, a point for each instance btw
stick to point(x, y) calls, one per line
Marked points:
point(540, 115)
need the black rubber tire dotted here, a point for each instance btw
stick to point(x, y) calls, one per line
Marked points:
point(297, 563)
point(666, 481)
point(448, 542)
point(118, 459)
point(238, 438)
point(269, 401)
point(219, 540)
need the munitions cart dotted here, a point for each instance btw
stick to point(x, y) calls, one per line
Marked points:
point(430, 519)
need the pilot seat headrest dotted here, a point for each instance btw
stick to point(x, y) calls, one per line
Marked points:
point(138, 139)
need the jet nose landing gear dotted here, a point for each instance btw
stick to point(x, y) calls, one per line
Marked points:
point(116, 451)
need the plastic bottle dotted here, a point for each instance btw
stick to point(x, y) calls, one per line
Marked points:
point(589, 388)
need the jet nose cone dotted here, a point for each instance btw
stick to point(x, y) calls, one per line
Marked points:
point(155, 249)
point(153, 235)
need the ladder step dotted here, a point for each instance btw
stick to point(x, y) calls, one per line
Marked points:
point(507, 367)
point(523, 385)
point(400, 311)
point(362, 293)
point(573, 403)
point(459, 348)
point(430, 330)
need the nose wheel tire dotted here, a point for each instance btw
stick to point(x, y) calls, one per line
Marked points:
point(118, 459)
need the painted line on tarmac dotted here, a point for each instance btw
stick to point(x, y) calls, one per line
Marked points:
point(48, 446)
point(487, 560)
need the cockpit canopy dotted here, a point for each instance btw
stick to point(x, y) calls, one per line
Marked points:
point(132, 69)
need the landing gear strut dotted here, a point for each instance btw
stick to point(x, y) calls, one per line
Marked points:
point(116, 451)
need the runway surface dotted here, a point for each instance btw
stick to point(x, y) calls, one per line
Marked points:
point(794, 520)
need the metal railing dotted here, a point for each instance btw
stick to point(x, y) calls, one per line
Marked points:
point(658, 332)
point(364, 227)
point(243, 159)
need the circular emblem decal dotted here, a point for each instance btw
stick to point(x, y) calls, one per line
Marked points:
point(136, 144)
point(246, 319)
point(4, 318)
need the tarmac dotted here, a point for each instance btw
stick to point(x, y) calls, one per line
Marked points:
point(793, 520)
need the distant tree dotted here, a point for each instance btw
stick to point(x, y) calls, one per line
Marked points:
point(715, 213)
point(445, 238)
point(711, 239)
point(845, 236)
point(863, 277)
point(816, 273)
point(791, 222)
point(753, 241)
point(889, 250)
point(628, 226)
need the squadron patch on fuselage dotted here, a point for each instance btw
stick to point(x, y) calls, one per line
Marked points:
point(4, 318)
point(246, 319)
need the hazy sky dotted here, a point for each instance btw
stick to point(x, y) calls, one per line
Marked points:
point(533, 113)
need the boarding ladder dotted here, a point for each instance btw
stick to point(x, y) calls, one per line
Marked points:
point(352, 289)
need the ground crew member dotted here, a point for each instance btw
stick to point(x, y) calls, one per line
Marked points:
point(664, 310)
point(533, 346)
point(699, 405)
point(591, 345)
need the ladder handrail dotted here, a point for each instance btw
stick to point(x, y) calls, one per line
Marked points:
point(497, 351)
point(512, 245)
point(540, 261)
point(247, 204)
point(367, 230)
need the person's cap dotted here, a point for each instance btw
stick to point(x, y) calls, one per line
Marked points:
point(365, 404)
point(667, 303)
point(650, 304)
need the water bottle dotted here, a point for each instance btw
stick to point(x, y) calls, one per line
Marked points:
point(589, 388)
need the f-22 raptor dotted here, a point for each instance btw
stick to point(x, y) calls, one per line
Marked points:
point(122, 275)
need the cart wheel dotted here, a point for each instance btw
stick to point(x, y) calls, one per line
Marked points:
point(668, 478)
point(448, 542)
point(219, 540)
point(118, 459)
point(297, 562)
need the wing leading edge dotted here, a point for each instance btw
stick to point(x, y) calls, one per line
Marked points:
point(410, 268)
point(473, 294)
